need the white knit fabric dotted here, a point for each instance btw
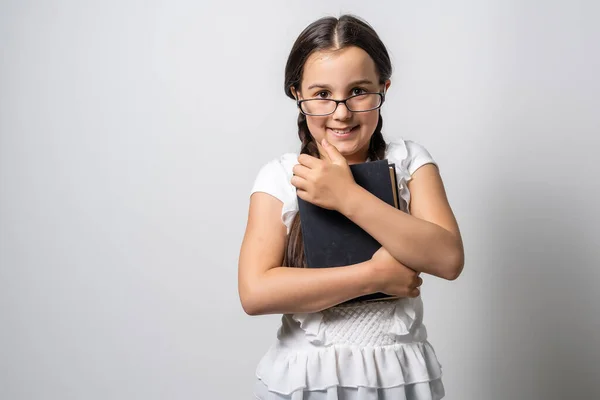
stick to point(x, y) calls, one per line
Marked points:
point(361, 325)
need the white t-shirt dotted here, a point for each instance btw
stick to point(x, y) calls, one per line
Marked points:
point(364, 351)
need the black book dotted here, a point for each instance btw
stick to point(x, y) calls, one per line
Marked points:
point(332, 240)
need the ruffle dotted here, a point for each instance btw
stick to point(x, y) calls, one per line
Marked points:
point(397, 153)
point(286, 372)
point(433, 390)
point(290, 204)
point(311, 324)
point(288, 211)
point(408, 319)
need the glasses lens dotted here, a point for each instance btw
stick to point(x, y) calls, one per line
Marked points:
point(364, 102)
point(318, 106)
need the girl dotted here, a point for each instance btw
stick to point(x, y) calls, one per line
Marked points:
point(338, 72)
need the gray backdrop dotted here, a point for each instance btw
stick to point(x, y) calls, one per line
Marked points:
point(130, 136)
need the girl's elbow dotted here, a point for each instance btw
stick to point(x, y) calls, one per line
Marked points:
point(251, 307)
point(455, 267)
point(249, 302)
point(453, 273)
point(248, 307)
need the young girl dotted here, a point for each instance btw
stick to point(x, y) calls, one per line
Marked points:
point(338, 72)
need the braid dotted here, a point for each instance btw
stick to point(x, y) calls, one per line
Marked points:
point(377, 144)
point(309, 145)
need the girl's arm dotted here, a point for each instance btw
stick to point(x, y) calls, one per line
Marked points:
point(428, 240)
point(266, 287)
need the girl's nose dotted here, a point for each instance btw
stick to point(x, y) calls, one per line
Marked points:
point(341, 113)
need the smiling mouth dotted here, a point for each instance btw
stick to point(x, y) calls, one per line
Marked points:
point(343, 132)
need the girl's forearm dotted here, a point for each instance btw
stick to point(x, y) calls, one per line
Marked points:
point(421, 245)
point(286, 290)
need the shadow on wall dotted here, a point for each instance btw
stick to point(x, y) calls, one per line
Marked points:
point(545, 323)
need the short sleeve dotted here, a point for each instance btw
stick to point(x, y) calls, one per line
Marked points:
point(271, 180)
point(417, 156)
point(274, 178)
point(408, 156)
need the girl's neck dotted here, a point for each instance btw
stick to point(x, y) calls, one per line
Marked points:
point(354, 159)
point(360, 156)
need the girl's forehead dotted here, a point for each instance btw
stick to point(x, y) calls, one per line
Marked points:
point(338, 67)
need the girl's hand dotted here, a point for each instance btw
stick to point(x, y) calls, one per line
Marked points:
point(392, 277)
point(325, 183)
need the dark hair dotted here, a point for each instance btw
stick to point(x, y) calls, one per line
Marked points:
point(324, 34)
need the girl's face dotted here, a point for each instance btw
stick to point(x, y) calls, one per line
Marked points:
point(337, 75)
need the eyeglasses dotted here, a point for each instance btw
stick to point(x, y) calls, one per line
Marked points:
point(357, 103)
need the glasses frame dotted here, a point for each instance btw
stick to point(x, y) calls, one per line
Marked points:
point(337, 103)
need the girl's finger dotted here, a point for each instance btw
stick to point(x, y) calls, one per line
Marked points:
point(299, 183)
point(309, 161)
point(302, 194)
point(301, 171)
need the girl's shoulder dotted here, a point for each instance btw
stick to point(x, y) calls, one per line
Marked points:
point(408, 154)
point(280, 166)
point(274, 177)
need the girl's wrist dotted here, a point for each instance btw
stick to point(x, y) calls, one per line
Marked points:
point(373, 282)
point(351, 200)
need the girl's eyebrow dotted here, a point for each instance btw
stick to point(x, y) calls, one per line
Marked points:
point(355, 83)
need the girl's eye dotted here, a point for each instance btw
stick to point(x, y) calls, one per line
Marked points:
point(322, 94)
point(356, 91)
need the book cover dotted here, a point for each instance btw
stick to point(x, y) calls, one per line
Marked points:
point(332, 240)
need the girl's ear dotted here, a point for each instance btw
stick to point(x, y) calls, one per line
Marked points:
point(294, 93)
point(387, 85)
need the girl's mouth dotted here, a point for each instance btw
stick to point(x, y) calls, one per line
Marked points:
point(345, 132)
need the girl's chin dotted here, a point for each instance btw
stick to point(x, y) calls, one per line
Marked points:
point(345, 147)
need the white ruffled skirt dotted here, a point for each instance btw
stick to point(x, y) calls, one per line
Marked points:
point(433, 390)
point(366, 351)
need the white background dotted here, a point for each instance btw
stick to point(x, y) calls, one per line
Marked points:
point(130, 136)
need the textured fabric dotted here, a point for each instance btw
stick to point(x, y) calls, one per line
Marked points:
point(396, 321)
point(322, 352)
point(362, 326)
point(365, 351)
point(433, 390)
